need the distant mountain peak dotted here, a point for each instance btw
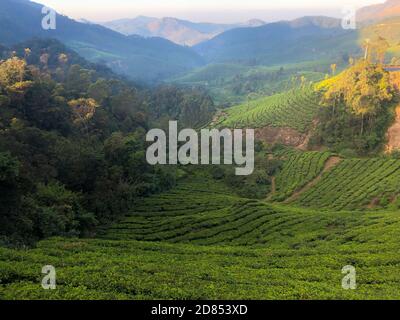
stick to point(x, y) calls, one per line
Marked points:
point(180, 31)
point(255, 23)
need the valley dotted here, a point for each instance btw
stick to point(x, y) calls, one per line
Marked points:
point(204, 239)
point(79, 192)
point(202, 242)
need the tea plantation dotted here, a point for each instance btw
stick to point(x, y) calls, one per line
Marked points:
point(294, 109)
point(201, 241)
point(356, 184)
point(299, 169)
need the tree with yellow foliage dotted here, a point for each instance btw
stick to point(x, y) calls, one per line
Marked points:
point(83, 110)
point(363, 89)
point(27, 52)
point(63, 59)
point(375, 49)
point(12, 71)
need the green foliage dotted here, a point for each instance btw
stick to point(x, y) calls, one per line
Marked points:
point(232, 84)
point(72, 158)
point(215, 246)
point(196, 240)
point(298, 169)
point(193, 108)
point(9, 168)
point(341, 132)
point(255, 186)
point(294, 109)
point(354, 184)
point(363, 88)
point(358, 109)
point(69, 162)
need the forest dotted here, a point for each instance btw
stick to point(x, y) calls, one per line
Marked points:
point(73, 144)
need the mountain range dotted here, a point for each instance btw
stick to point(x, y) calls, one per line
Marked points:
point(141, 59)
point(305, 39)
point(182, 32)
point(140, 50)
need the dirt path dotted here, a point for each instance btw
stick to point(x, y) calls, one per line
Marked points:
point(273, 186)
point(304, 145)
point(218, 117)
point(393, 134)
point(273, 181)
point(329, 164)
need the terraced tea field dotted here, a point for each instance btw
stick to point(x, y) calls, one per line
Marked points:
point(200, 241)
point(301, 258)
point(294, 109)
point(299, 169)
point(355, 184)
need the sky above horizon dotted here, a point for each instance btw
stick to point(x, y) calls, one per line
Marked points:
point(223, 11)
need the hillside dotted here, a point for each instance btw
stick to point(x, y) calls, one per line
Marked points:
point(295, 109)
point(387, 29)
point(78, 192)
point(141, 59)
point(323, 180)
point(374, 13)
point(244, 250)
point(199, 239)
point(306, 39)
point(298, 170)
point(356, 184)
point(231, 84)
point(65, 124)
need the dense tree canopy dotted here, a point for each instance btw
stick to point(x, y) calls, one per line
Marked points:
point(360, 97)
point(72, 142)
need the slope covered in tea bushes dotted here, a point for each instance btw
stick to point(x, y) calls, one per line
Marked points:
point(298, 255)
point(299, 168)
point(294, 109)
point(354, 184)
point(201, 241)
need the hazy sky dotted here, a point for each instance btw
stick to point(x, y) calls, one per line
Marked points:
point(201, 10)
